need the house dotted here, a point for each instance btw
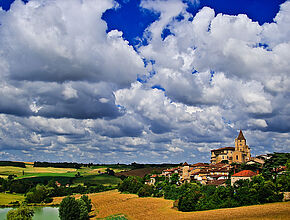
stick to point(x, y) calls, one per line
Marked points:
point(57, 184)
point(242, 175)
point(238, 154)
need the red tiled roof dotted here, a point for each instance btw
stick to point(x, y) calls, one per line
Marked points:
point(154, 175)
point(245, 173)
point(224, 148)
point(185, 164)
point(199, 165)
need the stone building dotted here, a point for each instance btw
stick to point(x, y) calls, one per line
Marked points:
point(238, 154)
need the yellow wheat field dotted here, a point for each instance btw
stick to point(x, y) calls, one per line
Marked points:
point(112, 202)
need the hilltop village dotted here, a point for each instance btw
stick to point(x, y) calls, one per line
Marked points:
point(223, 162)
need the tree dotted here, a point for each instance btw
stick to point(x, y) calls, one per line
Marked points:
point(131, 184)
point(189, 202)
point(145, 191)
point(88, 201)
point(84, 214)
point(174, 178)
point(21, 213)
point(69, 209)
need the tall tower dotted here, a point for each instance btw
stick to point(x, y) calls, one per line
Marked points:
point(240, 142)
point(242, 151)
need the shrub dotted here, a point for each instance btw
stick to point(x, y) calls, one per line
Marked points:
point(145, 191)
point(21, 213)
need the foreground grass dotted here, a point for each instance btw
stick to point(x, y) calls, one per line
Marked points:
point(6, 198)
point(112, 202)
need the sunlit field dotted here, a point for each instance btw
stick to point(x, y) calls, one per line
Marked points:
point(6, 198)
point(112, 203)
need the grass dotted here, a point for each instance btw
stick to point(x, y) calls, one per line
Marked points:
point(6, 198)
point(110, 203)
point(99, 179)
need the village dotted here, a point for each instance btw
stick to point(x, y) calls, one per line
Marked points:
point(222, 169)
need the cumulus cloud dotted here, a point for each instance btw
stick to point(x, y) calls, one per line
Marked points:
point(69, 89)
point(56, 41)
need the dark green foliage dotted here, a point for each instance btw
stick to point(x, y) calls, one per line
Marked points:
point(189, 201)
point(12, 163)
point(110, 172)
point(87, 201)
point(72, 209)
point(174, 178)
point(39, 194)
point(283, 182)
point(171, 192)
point(58, 165)
point(145, 191)
point(69, 209)
point(84, 213)
point(131, 184)
point(21, 213)
point(270, 168)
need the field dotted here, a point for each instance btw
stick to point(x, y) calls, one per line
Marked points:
point(6, 198)
point(63, 175)
point(140, 172)
point(112, 202)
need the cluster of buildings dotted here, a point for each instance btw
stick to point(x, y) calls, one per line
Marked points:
point(217, 172)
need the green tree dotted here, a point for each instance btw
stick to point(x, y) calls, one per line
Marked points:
point(88, 202)
point(131, 184)
point(145, 191)
point(189, 202)
point(69, 209)
point(84, 214)
point(174, 178)
point(21, 213)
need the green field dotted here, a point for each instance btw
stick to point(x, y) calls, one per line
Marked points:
point(94, 175)
point(6, 198)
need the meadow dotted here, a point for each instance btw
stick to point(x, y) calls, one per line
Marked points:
point(93, 175)
point(6, 198)
point(112, 203)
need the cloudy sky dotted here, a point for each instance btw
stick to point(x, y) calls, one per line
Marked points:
point(158, 81)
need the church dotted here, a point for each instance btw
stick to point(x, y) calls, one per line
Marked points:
point(238, 154)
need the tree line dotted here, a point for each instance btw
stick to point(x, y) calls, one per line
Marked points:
point(12, 163)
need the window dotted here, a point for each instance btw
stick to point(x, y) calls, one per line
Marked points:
point(237, 157)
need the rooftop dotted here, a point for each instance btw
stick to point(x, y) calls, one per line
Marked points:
point(224, 148)
point(245, 173)
point(241, 136)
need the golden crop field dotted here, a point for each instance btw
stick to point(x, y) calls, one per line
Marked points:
point(133, 207)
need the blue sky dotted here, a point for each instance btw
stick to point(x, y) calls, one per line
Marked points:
point(148, 81)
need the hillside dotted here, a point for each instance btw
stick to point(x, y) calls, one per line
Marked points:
point(112, 202)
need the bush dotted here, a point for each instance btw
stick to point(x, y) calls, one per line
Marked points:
point(145, 191)
point(21, 213)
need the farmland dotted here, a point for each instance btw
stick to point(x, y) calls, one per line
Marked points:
point(112, 203)
point(6, 198)
point(64, 175)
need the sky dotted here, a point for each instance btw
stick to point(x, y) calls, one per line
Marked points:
point(146, 81)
